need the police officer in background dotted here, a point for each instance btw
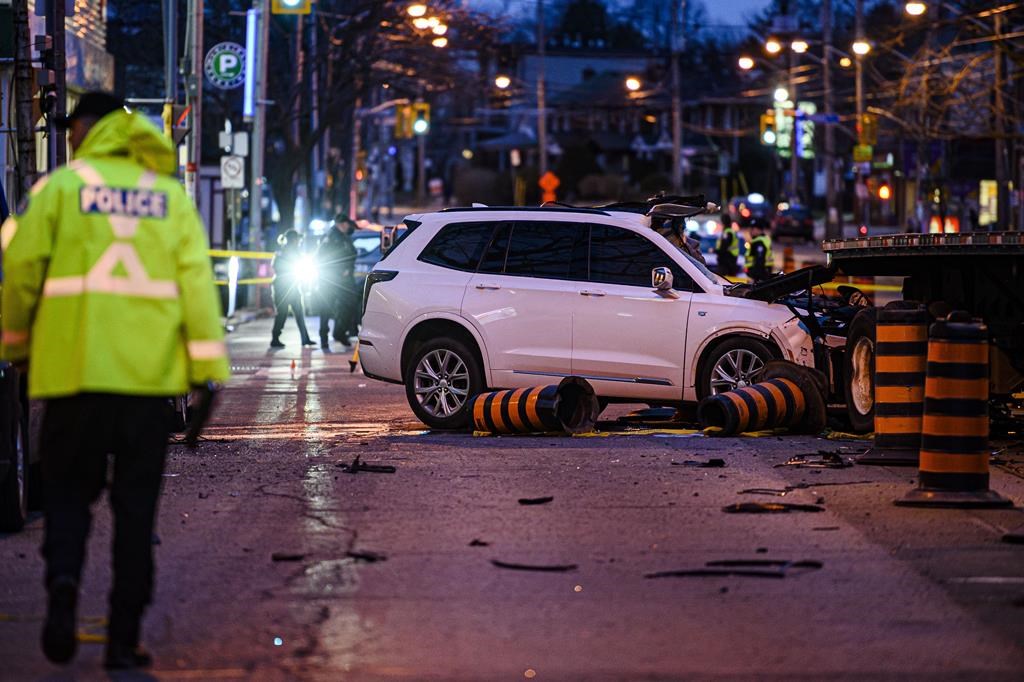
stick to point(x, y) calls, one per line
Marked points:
point(336, 263)
point(760, 260)
point(109, 292)
point(727, 249)
point(287, 287)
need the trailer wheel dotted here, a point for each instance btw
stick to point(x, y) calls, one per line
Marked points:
point(859, 371)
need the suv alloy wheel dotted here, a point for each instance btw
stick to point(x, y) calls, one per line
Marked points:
point(441, 379)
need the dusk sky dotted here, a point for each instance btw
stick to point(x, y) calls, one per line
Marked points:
point(719, 11)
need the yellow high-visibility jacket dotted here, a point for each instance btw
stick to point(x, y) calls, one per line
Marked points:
point(107, 284)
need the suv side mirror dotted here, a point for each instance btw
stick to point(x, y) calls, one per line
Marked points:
point(661, 279)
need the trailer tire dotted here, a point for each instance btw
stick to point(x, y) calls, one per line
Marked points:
point(859, 371)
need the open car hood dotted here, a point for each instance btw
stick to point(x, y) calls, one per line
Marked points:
point(778, 286)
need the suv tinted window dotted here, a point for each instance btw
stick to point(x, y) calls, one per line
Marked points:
point(494, 256)
point(547, 249)
point(618, 256)
point(458, 245)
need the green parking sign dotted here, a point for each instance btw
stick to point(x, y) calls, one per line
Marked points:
point(225, 65)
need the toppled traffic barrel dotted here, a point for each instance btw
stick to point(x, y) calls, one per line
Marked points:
point(953, 460)
point(901, 355)
point(571, 406)
point(789, 396)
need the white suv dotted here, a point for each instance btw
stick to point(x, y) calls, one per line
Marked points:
point(471, 299)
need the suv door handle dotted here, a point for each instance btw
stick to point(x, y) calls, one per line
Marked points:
point(488, 285)
point(591, 292)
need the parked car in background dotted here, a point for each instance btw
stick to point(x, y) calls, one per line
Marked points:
point(745, 209)
point(477, 298)
point(793, 220)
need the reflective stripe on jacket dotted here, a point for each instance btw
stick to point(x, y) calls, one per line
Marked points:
point(108, 285)
point(769, 260)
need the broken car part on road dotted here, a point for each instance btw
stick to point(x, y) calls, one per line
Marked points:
point(745, 568)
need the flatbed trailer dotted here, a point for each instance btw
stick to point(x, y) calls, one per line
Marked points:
point(981, 273)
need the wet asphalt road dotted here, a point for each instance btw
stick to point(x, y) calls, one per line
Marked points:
point(390, 576)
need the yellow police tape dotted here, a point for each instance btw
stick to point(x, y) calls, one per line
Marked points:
point(222, 253)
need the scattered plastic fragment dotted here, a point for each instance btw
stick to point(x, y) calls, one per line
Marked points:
point(842, 435)
point(782, 492)
point(823, 460)
point(287, 556)
point(825, 528)
point(529, 501)
point(365, 556)
point(356, 466)
point(713, 463)
point(769, 508)
point(479, 543)
point(548, 568)
point(747, 568)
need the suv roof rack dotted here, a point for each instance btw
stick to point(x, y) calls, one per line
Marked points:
point(561, 208)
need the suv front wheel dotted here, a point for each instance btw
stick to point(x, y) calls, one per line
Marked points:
point(440, 380)
point(735, 363)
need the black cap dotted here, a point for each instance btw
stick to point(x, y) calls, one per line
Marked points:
point(94, 105)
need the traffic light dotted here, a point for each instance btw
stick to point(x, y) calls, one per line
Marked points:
point(421, 118)
point(768, 135)
point(291, 6)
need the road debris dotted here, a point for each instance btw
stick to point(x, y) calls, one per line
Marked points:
point(530, 501)
point(769, 508)
point(365, 556)
point(356, 466)
point(544, 568)
point(479, 543)
point(782, 492)
point(747, 568)
point(713, 463)
point(823, 459)
point(287, 556)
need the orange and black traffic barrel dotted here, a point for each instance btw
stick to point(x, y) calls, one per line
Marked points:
point(901, 356)
point(569, 406)
point(953, 468)
point(788, 397)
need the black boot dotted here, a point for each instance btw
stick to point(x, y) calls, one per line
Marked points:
point(325, 344)
point(276, 343)
point(125, 657)
point(59, 642)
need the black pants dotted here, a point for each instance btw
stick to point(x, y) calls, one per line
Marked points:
point(330, 307)
point(286, 297)
point(78, 434)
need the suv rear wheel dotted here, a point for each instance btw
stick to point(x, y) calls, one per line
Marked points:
point(859, 371)
point(733, 364)
point(440, 380)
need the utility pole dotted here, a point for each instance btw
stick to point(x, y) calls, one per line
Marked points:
point(299, 189)
point(1002, 162)
point(195, 98)
point(833, 213)
point(794, 158)
point(262, 10)
point(56, 137)
point(170, 17)
point(353, 181)
point(678, 39)
point(542, 117)
point(23, 84)
point(859, 76)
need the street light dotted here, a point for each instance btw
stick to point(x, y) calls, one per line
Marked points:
point(746, 63)
point(502, 82)
point(799, 46)
point(440, 29)
point(421, 23)
point(632, 83)
point(439, 42)
point(773, 46)
point(915, 9)
point(781, 94)
point(860, 47)
point(417, 9)
point(845, 62)
point(433, 22)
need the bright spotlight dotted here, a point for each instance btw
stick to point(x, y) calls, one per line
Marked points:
point(633, 83)
point(861, 47)
point(746, 63)
point(773, 46)
point(502, 81)
point(915, 9)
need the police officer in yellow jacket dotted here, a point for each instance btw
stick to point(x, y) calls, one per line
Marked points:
point(760, 259)
point(108, 292)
